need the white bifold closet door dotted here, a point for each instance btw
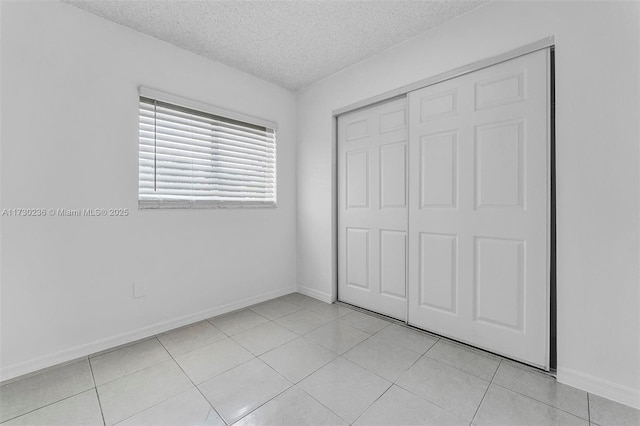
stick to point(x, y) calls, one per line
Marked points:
point(372, 208)
point(479, 208)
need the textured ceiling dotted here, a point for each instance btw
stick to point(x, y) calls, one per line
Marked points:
point(290, 43)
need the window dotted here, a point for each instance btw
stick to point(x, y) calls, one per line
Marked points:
point(196, 155)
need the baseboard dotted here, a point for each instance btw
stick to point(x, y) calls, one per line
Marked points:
point(604, 388)
point(320, 295)
point(10, 372)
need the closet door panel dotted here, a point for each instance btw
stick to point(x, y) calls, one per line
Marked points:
point(372, 208)
point(479, 208)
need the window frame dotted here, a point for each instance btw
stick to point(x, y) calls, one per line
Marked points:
point(206, 109)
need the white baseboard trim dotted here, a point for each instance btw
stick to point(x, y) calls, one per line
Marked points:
point(9, 372)
point(604, 388)
point(320, 295)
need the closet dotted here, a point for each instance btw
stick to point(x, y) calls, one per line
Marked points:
point(444, 208)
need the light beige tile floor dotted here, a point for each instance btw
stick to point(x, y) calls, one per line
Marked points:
point(297, 361)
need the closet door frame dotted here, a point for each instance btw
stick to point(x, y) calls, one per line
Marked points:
point(546, 43)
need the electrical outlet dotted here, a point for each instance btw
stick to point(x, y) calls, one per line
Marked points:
point(139, 289)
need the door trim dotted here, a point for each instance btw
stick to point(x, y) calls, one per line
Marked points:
point(448, 75)
point(548, 42)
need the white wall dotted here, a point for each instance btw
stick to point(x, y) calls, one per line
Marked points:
point(70, 140)
point(597, 71)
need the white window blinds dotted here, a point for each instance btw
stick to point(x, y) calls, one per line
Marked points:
point(193, 158)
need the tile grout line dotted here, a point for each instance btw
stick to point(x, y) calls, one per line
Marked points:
point(142, 369)
point(443, 338)
point(258, 358)
point(308, 341)
point(501, 359)
point(248, 308)
point(588, 408)
point(374, 401)
point(486, 391)
point(542, 402)
point(47, 405)
point(95, 386)
point(275, 347)
point(414, 363)
point(324, 365)
point(296, 385)
point(298, 336)
point(303, 334)
point(260, 406)
point(364, 331)
point(337, 321)
point(41, 371)
point(134, 371)
point(51, 403)
point(294, 303)
point(376, 374)
point(230, 336)
point(192, 382)
point(442, 362)
point(337, 355)
point(402, 324)
point(209, 344)
point(150, 407)
point(471, 349)
point(301, 310)
point(307, 332)
point(320, 402)
point(293, 385)
point(278, 298)
point(536, 399)
point(393, 382)
point(431, 402)
point(495, 373)
point(421, 397)
point(270, 399)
